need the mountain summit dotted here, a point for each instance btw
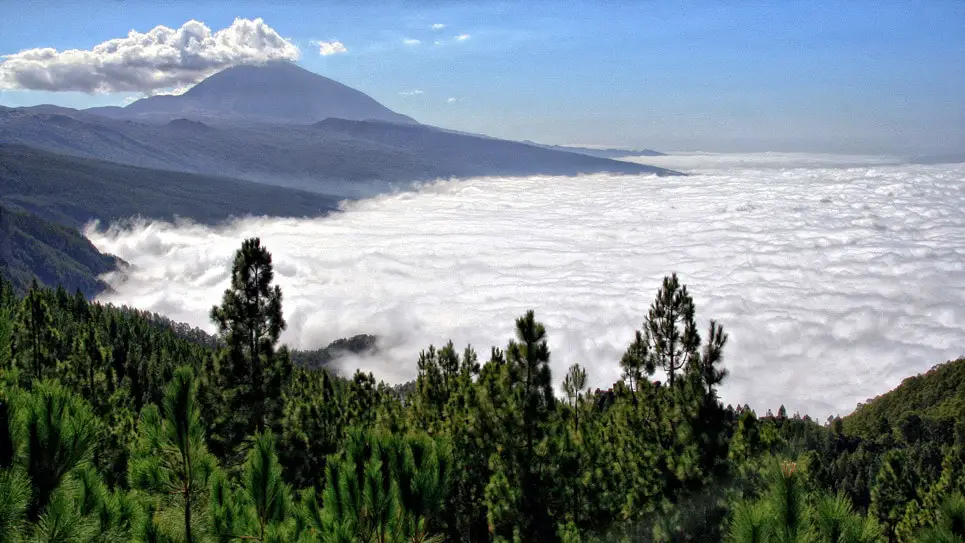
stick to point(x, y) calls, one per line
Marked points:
point(279, 92)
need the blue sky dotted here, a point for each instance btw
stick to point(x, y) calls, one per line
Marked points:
point(867, 77)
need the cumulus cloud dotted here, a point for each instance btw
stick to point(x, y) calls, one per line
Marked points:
point(438, 26)
point(328, 48)
point(145, 62)
point(451, 100)
point(413, 92)
point(833, 283)
point(411, 41)
point(462, 37)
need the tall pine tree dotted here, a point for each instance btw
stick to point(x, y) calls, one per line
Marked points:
point(252, 375)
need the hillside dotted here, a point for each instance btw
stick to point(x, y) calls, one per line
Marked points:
point(936, 394)
point(56, 255)
point(73, 191)
point(346, 158)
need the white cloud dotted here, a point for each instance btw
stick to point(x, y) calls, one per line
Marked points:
point(411, 41)
point(451, 100)
point(462, 37)
point(327, 48)
point(437, 42)
point(833, 283)
point(412, 92)
point(161, 58)
point(438, 26)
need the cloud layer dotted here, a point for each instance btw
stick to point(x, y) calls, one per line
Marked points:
point(161, 58)
point(834, 283)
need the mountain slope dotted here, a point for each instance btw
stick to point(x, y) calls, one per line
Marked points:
point(465, 154)
point(72, 191)
point(279, 92)
point(936, 394)
point(345, 158)
point(56, 255)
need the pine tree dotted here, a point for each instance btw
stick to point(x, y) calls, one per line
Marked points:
point(670, 331)
point(53, 433)
point(252, 374)
point(835, 521)
point(37, 337)
point(637, 362)
point(261, 510)
point(573, 385)
point(751, 522)
point(893, 490)
point(361, 495)
point(170, 459)
point(7, 302)
point(311, 427)
point(950, 524)
point(14, 500)
point(517, 506)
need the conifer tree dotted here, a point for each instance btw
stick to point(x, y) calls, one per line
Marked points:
point(312, 426)
point(261, 509)
point(170, 460)
point(950, 523)
point(893, 490)
point(53, 433)
point(637, 362)
point(670, 330)
point(835, 521)
point(252, 374)
point(7, 302)
point(14, 500)
point(517, 507)
point(36, 340)
point(573, 385)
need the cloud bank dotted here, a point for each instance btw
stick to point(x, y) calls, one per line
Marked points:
point(161, 58)
point(833, 283)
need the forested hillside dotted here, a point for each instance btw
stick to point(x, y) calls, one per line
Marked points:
point(115, 426)
point(936, 395)
point(31, 247)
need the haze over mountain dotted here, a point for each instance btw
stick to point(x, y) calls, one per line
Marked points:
point(273, 92)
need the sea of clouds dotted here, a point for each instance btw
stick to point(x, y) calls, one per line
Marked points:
point(836, 277)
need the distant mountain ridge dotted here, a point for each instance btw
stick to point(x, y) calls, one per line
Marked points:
point(277, 92)
point(602, 153)
point(282, 125)
point(348, 159)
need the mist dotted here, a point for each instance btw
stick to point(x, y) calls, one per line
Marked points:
point(834, 277)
